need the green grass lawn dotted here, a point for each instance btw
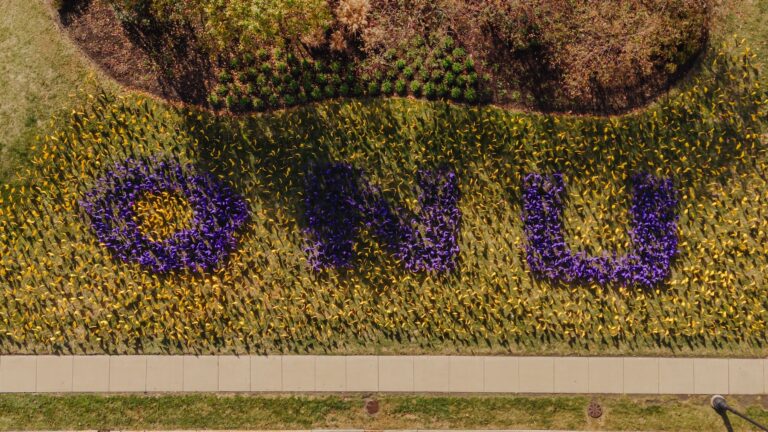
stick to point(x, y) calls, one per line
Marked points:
point(40, 69)
point(397, 412)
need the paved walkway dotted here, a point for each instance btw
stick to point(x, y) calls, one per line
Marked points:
point(402, 374)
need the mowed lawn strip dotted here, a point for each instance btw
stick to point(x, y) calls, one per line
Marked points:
point(397, 412)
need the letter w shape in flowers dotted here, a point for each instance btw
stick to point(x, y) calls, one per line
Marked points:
point(340, 200)
point(653, 234)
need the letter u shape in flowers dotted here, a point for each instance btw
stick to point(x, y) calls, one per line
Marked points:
point(339, 200)
point(653, 234)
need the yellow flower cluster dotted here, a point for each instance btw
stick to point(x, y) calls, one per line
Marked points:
point(161, 215)
point(62, 292)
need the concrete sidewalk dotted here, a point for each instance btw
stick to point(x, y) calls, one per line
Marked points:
point(382, 374)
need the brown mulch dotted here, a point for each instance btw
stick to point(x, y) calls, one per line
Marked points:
point(153, 63)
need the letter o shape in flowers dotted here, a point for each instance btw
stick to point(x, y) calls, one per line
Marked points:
point(217, 213)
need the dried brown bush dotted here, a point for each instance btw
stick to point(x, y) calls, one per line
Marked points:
point(597, 54)
point(353, 14)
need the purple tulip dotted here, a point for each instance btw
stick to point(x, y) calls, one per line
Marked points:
point(218, 212)
point(339, 200)
point(653, 234)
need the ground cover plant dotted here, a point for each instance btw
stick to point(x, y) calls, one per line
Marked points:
point(581, 56)
point(65, 291)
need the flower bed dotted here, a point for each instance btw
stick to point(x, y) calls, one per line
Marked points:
point(339, 200)
point(62, 291)
point(654, 234)
point(217, 214)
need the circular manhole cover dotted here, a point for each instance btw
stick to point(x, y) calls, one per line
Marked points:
point(595, 410)
point(372, 406)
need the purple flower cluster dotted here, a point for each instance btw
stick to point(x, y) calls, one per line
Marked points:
point(339, 201)
point(653, 234)
point(217, 214)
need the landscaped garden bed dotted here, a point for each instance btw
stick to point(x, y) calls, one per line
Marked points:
point(581, 56)
point(395, 225)
point(360, 224)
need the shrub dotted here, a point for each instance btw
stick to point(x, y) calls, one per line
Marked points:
point(600, 52)
point(225, 77)
point(424, 74)
point(449, 79)
point(469, 65)
point(416, 87)
point(401, 87)
point(448, 43)
point(470, 95)
point(266, 22)
point(373, 88)
point(214, 101)
point(316, 93)
point(458, 53)
point(344, 90)
point(353, 14)
point(329, 91)
point(456, 93)
point(244, 103)
point(338, 41)
point(400, 64)
point(386, 87)
point(429, 90)
point(461, 80)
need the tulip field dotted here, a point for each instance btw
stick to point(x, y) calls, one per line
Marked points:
point(395, 225)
